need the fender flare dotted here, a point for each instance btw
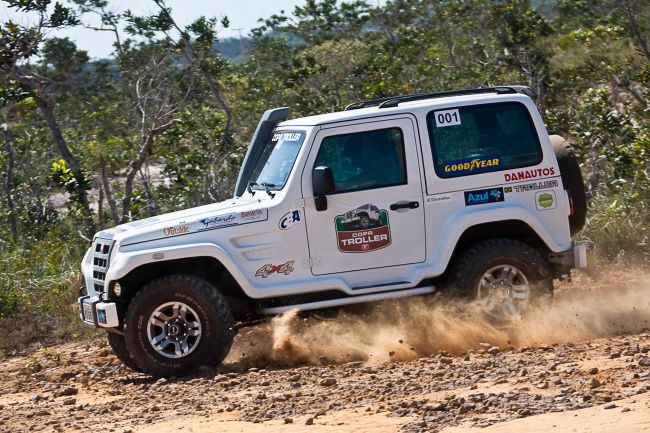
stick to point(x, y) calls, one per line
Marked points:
point(455, 227)
point(125, 262)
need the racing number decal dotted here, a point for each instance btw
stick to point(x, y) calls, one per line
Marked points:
point(447, 118)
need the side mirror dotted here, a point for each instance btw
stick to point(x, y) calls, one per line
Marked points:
point(323, 183)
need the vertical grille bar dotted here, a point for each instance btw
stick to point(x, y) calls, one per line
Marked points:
point(101, 254)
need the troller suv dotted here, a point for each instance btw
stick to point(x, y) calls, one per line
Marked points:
point(464, 190)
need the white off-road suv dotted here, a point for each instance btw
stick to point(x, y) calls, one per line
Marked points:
point(464, 190)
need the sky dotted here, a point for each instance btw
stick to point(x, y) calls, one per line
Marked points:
point(243, 15)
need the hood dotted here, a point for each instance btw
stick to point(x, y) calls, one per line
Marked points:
point(227, 213)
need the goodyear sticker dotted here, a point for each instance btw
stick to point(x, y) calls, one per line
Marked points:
point(462, 167)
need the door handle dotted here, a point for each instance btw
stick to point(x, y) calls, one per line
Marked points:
point(405, 205)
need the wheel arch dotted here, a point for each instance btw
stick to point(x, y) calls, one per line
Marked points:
point(511, 229)
point(133, 274)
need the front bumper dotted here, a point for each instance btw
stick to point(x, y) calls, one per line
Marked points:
point(98, 314)
point(574, 257)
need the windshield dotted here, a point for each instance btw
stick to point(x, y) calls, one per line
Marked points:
point(275, 163)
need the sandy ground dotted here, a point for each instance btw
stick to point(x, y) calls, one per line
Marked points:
point(580, 365)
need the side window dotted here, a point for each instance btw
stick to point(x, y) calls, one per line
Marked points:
point(482, 138)
point(364, 160)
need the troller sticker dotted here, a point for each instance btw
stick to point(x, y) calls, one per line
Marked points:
point(363, 229)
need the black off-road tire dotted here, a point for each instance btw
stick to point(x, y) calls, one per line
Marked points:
point(216, 318)
point(118, 344)
point(474, 262)
point(572, 181)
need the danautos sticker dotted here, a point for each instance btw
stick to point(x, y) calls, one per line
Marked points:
point(482, 196)
point(462, 167)
point(545, 200)
point(529, 174)
point(266, 270)
point(289, 220)
point(233, 219)
point(363, 229)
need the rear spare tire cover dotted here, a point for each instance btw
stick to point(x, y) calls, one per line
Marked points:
point(572, 181)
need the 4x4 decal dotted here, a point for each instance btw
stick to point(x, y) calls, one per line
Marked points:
point(266, 270)
point(363, 229)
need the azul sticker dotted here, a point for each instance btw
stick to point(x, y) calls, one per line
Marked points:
point(461, 167)
point(289, 220)
point(233, 219)
point(482, 196)
point(545, 200)
point(529, 174)
point(266, 270)
point(363, 229)
point(546, 184)
point(178, 230)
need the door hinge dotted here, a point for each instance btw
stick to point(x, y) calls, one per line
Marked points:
point(300, 203)
point(312, 262)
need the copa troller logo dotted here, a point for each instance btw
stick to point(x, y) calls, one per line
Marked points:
point(363, 229)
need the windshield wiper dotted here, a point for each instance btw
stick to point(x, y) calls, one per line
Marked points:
point(249, 187)
point(267, 187)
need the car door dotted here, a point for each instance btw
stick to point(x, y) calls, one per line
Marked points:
point(375, 217)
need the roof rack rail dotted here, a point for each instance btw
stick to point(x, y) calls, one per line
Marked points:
point(394, 101)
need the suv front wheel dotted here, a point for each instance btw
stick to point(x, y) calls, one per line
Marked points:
point(177, 323)
point(505, 276)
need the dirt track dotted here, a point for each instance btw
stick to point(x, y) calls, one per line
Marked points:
point(583, 365)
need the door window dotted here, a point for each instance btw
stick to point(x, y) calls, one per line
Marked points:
point(482, 138)
point(364, 160)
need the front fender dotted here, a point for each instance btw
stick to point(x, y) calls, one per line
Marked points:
point(125, 262)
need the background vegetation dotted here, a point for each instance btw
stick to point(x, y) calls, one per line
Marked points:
point(164, 122)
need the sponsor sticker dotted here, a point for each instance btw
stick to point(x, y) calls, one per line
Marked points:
point(289, 220)
point(177, 230)
point(266, 270)
point(363, 229)
point(447, 118)
point(545, 184)
point(233, 219)
point(462, 167)
point(483, 196)
point(529, 174)
point(436, 198)
point(545, 200)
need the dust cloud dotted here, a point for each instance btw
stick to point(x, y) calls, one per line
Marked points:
point(610, 301)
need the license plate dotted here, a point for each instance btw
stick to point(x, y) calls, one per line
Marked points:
point(87, 311)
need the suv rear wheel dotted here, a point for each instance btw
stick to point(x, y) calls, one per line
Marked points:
point(505, 276)
point(177, 323)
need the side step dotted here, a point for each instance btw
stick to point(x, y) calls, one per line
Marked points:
point(350, 300)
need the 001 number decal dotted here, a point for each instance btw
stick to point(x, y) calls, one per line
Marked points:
point(447, 118)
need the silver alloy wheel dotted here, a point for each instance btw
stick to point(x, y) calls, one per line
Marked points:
point(504, 292)
point(174, 330)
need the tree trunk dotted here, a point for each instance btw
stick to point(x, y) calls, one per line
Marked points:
point(136, 164)
point(108, 191)
point(13, 217)
point(46, 105)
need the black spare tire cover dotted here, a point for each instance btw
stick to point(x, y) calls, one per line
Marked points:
point(572, 181)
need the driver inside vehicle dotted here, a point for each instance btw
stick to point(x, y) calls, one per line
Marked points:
point(376, 159)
